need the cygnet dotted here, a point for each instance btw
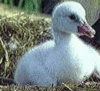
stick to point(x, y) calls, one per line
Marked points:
point(66, 58)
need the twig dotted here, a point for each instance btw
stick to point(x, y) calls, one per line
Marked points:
point(6, 54)
point(67, 87)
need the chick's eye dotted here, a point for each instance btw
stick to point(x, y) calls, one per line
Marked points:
point(72, 17)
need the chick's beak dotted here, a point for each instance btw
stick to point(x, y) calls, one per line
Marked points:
point(87, 30)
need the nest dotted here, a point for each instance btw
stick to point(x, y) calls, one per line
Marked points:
point(17, 35)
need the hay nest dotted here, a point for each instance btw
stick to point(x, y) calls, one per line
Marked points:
point(17, 35)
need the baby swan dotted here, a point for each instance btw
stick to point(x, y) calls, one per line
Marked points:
point(66, 58)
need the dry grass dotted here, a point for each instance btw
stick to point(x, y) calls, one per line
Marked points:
point(89, 86)
point(17, 34)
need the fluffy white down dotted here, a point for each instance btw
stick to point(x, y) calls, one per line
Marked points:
point(66, 58)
